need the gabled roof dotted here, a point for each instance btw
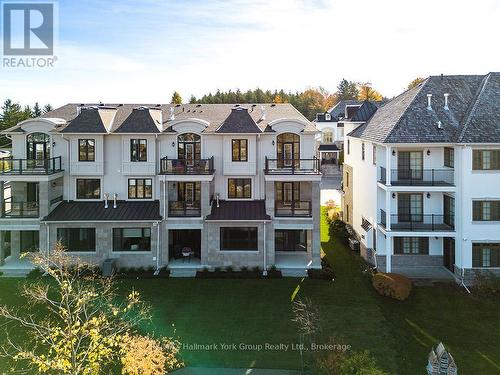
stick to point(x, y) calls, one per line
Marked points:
point(95, 211)
point(472, 114)
point(338, 110)
point(239, 121)
point(365, 112)
point(138, 121)
point(239, 211)
point(88, 121)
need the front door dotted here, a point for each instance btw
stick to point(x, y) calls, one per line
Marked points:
point(449, 253)
point(190, 154)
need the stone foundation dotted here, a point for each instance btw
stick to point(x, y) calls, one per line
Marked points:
point(469, 274)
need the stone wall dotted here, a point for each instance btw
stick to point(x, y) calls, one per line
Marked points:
point(469, 274)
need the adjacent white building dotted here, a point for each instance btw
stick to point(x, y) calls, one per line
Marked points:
point(422, 178)
point(182, 186)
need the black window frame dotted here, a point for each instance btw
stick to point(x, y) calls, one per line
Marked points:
point(86, 182)
point(118, 235)
point(449, 157)
point(478, 210)
point(85, 144)
point(363, 151)
point(252, 244)
point(477, 255)
point(71, 247)
point(239, 182)
point(348, 146)
point(136, 154)
point(238, 144)
point(143, 188)
point(478, 160)
point(374, 154)
point(295, 235)
point(421, 249)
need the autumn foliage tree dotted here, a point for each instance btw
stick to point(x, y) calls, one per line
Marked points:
point(367, 92)
point(415, 82)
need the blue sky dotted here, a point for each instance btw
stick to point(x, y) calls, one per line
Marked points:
point(141, 51)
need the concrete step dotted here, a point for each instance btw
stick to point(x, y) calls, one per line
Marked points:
point(183, 272)
point(14, 272)
point(293, 272)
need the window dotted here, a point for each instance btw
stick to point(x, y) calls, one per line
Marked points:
point(288, 150)
point(290, 240)
point(327, 136)
point(449, 210)
point(348, 146)
point(140, 188)
point(374, 154)
point(411, 245)
point(77, 239)
point(362, 151)
point(347, 213)
point(347, 179)
point(287, 192)
point(131, 239)
point(486, 210)
point(238, 239)
point(449, 157)
point(138, 150)
point(486, 255)
point(38, 146)
point(410, 165)
point(240, 150)
point(486, 159)
point(189, 148)
point(328, 117)
point(86, 150)
point(88, 188)
point(410, 207)
point(239, 188)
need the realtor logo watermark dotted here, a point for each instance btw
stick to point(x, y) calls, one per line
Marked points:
point(28, 30)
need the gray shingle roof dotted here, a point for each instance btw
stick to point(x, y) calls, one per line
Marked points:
point(88, 121)
point(239, 210)
point(95, 211)
point(472, 114)
point(239, 121)
point(138, 121)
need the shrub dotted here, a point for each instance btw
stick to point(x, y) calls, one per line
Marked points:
point(256, 269)
point(229, 268)
point(487, 283)
point(35, 273)
point(244, 269)
point(338, 229)
point(360, 363)
point(392, 285)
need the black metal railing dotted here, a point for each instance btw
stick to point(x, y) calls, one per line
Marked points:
point(30, 166)
point(292, 209)
point(184, 209)
point(419, 177)
point(187, 166)
point(292, 166)
point(56, 199)
point(383, 218)
point(19, 209)
point(420, 222)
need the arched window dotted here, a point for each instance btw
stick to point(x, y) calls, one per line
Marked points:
point(327, 136)
point(37, 146)
point(288, 150)
point(189, 148)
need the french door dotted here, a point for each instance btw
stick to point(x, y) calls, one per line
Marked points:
point(410, 165)
point(186, 193)
point(190, 154)
point(287, 154)
point(410, 207)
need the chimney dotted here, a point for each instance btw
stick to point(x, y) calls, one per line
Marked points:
point(446, 101)
point(429, 99)
point(79, 109)
point(106, 196)
point(263, 113)
point(114, 199)
point(172, 115)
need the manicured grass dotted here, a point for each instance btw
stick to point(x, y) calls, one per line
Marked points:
point(399, 334)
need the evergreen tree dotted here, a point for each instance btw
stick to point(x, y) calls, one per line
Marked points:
point(347, 90)
point(47, 108)
point(37, 111)
point(192, 99)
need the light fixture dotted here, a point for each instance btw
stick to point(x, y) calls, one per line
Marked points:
point(393, 195)
point(428, 195)
point(173, 144)
point(273, 142)
point(428, 152)
point(393, 152)
point(53, 144)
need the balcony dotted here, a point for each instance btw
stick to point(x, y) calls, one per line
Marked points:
point(184, 209)
point(292, 209)
point(9, 166)
point(419, 177)
point(419, 222)
point(292, 166)
point(186, 166)
point(12, 209)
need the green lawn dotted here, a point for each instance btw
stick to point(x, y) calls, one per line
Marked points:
point(399, 334)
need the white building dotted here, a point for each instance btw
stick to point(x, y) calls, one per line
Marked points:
point(183, 186)
point(422, 178)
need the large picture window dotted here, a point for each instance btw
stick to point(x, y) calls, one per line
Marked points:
point(288, 150)
point(77, 239)
point(240, 149)
point(238, 239)
point(485, 255)
point(189, 148)
point(486, 210)
point(138, 150)
point(239, 188)
point(290, 240)
point(86, 150)
point(131, 239)
point(411, 245)
point(88, 188)
point(486, 159)
point(140, 188)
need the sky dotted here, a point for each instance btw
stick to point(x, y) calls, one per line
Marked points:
point(134, 51)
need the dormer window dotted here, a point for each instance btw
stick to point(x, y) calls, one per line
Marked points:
point(328, 117)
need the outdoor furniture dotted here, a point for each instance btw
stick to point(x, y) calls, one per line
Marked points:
point(187, 253)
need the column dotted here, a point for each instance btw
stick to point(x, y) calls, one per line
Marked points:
point(270, 198)
point(388, 253)
point(316, 213)
point(2, 197)
point(43, 198)
point(2, 247)
point(162, 187)
point(388, 174)
point(15, 244)
point(205, 198)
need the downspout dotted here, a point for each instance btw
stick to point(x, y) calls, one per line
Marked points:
point(264, 272)
point(460, 239)
point(158, 226)
point(68, 147)
point(164, 198)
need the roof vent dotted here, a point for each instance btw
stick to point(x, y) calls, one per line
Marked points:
point(440, 126)
point(429, 102)
point(263, 113)
point(446, 95)
point(198, 105)
point(172, 114)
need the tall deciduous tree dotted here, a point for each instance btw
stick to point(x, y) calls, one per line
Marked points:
point(415, 82)
point(176, 98)
point(367, 92)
